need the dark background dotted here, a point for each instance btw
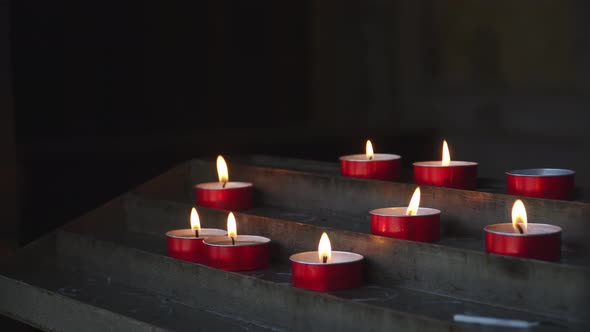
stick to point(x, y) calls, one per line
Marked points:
point(99, 96)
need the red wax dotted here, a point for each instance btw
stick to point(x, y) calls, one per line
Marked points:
point(381, 167)
point(234, 196)
point(343, 271)
point(184, 245)
point(393, 222)
point(249, 252)
point(542, 183)
point(458, 175)
point(540, 241)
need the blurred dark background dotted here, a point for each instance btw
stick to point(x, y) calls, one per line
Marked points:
point(99, 96)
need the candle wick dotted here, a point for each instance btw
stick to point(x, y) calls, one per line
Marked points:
point(196, 232)
point(325, 259)
point(370, 157)
point(520, 230)
point(223, 184)
point(233, 242)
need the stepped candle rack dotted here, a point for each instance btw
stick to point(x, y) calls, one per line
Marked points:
point(110, 267)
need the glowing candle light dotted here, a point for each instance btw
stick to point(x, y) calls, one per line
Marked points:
point(407, 223)
point(523, 239)
point(224, 194)
point(326, 270)
point(446, 172)
point(371, 165)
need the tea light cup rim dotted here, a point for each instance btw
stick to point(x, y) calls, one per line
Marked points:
point(539, 172)
point(384, 156)
point(210, 185)
point(438, 163)
point(556, 230)
point(259, 240)
point(354, 258)
point(172, 234)
point(427, 210)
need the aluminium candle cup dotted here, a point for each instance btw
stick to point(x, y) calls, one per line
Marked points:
point(249, 253)
point(457, 175)
point(393, 222)
point(551, 183)
point(234, 196)
point(382, 167)
point(540, 241)
point(343, 271)
point(184, 245)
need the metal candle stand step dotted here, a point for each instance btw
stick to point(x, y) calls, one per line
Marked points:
point(61, 294)
point(265, 302)
point(177, 276)
point(464, 212)
point(130, 230)
point(453, 272)
point(230, 297)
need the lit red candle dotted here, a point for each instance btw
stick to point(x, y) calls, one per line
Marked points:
point(552, 183)
point(446, 173)
point(224, 194)
point(187, 244)
point(376, 166)
point(523, 239)
point(237, 252)
point(408, 223)
point(326, 270)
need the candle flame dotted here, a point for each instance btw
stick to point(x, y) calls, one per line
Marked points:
point(519, 216)
point(446, 155)
point(325, 249)
point(222, 171)
point(195, 222)
point(232, 228)
point(369, 150)
point(414, 203)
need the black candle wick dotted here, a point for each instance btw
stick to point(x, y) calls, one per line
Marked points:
point(223, 184)
point(233, 242)
point(520, 230)
point(196, 232)
point(325, 259)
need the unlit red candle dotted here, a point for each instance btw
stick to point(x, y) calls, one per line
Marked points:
point(446, 172)
point(376, 166)
point(550, 183)
point(407, 223)
point(523, 239)
point(326, 270)
point(187, 244)
point(224, 194)
point(237, 252)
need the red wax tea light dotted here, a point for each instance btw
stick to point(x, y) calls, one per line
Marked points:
point(326, 270)
point(224, 194)
point(523, 239)
point(237, 252)
point(187, 244)
point(412, 223)
point(552, 183)
point(446, 173)
point(376, 166)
